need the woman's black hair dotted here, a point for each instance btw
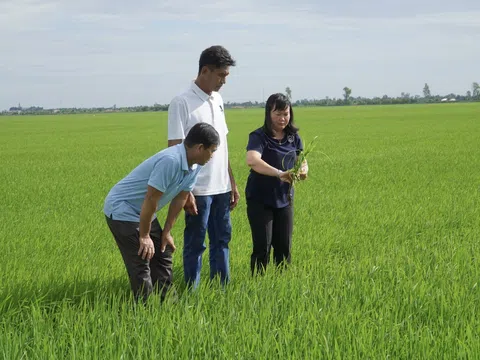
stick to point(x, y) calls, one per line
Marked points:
point(278, 101)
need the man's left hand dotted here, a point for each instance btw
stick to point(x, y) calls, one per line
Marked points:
point(167, 239)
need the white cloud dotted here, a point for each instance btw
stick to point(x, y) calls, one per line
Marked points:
point(25, 15)
point(16, 14)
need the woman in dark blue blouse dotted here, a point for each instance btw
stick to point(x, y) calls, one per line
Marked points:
point(271, 152)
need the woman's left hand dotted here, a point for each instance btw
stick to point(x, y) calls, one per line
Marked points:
point(304, 170)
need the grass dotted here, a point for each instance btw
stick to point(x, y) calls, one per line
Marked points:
point(385, 253)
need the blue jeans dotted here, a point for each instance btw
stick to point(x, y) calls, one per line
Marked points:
point(214, 216)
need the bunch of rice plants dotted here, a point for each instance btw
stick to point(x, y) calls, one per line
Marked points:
point(299, 163)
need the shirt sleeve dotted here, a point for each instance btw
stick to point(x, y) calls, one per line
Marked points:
point(177, 119)
point(255, 142)
point(163, 173)
point(191, 184)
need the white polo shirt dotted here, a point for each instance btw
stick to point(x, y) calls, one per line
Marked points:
point(186, 110)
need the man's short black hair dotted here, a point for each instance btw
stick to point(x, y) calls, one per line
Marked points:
point(202, 133)
point(216, 57)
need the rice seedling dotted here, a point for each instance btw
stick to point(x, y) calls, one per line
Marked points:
point(300, 165)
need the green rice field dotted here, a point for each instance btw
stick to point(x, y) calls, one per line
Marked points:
point(386, 244)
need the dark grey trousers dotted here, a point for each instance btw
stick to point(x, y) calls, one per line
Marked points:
point(144, 275)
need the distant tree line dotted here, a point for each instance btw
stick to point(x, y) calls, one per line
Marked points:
point(347, 99)
point(404, 98)
point(35, 110)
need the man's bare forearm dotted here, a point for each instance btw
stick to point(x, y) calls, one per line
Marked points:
point(230, 174)
point(174, 209)
point(148, 210)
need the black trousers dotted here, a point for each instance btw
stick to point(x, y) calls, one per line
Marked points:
point(271, 227)
point(144, 275)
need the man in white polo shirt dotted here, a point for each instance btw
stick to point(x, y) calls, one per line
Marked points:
point(215, 193)
point(130, 207)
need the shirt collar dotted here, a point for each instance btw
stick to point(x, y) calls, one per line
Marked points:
point(200, 93)
point(183, 153)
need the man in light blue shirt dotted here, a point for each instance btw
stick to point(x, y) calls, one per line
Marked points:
point(130, 207)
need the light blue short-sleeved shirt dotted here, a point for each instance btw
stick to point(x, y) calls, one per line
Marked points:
point(166, 171)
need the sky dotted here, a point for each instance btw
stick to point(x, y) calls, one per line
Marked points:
point(66, 53)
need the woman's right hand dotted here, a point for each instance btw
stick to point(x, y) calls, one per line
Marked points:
point(286, 176)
